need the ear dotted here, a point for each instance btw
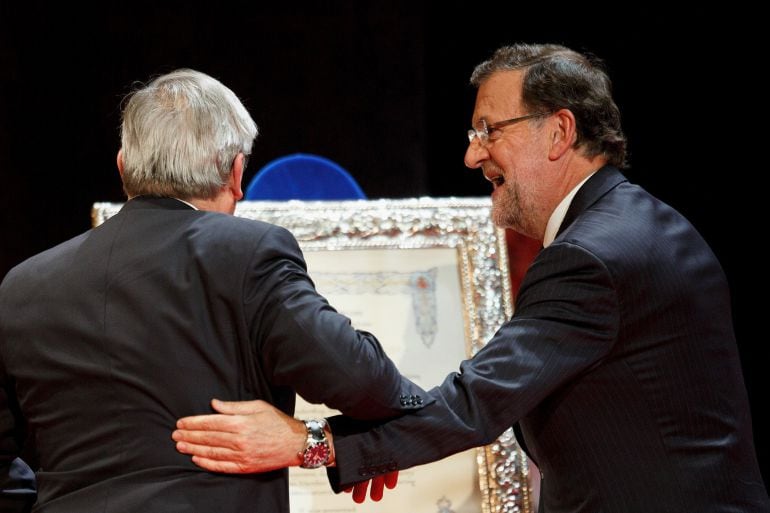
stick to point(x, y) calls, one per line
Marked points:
point(236, 177)
point(563, 133)
point(120, 162)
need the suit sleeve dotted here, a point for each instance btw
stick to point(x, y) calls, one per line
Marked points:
point(305, 344)
point(566, 321)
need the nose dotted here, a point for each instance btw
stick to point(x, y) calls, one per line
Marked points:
point(475, 155)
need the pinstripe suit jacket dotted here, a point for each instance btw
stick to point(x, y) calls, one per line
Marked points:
point(110, 337)
point(620, 364)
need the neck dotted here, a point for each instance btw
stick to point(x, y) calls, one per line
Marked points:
point(578, 170)
point(223, 201)
point(573, 170)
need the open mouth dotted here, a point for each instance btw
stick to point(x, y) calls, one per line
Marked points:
point(496, 180)
point(495, 175)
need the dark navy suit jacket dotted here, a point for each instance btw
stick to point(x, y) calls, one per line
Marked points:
point(109, 338)
point(619, 363)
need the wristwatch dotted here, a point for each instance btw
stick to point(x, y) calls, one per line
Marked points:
point(317, 451)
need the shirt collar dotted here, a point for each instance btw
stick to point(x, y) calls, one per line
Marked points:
point(557, 216)
point(187, 203)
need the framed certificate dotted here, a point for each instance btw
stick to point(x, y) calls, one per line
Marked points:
point(429, 277)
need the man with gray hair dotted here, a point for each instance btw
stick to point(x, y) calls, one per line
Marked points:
point(108, 338)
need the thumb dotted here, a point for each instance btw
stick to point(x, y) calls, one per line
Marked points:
point(237, 407)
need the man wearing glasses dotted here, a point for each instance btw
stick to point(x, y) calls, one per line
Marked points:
point(619, 368)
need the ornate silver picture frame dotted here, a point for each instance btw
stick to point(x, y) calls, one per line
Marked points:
point(438, 268)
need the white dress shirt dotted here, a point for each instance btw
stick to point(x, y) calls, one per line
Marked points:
point(554, 222)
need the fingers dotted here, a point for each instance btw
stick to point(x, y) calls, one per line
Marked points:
point(378, 486)
point(391, 479)
point(225, 467)
point(224, 422)
point(249, 436)
point(238, 407)
point(359, 492)
point(216, 459)
point(208, 423)
point(207, 451)
point(208, 438)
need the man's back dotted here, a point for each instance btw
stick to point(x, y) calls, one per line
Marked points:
point(112, 336)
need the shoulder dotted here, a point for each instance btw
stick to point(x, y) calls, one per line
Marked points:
point(630, 222)
point(46, 263)
point(216, 227)
point(228, 225)
point(227, 238)
point(644, 245)
point(565, 264)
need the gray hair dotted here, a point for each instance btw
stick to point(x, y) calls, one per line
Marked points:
point(556, 77)
point(180, 135)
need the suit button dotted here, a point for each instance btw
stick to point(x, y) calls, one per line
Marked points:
point(392, 466)
point(419, 400)
point(404, 400)
point(362, 471)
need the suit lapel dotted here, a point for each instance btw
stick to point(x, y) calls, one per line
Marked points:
point(607, 178)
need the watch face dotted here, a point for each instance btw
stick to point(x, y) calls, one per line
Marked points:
point(316, 455)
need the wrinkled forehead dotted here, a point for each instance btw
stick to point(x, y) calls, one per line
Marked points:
point(499, 97)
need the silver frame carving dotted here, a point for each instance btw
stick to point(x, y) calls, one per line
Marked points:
point(461, 223)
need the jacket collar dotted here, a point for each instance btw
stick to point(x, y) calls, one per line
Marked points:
point(147, 202)
point(604, 180)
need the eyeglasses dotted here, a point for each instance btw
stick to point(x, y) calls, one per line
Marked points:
point(485, 131)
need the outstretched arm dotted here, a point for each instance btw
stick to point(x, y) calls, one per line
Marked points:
point(254, 436)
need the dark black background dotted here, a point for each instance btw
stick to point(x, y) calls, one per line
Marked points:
point(382, 88)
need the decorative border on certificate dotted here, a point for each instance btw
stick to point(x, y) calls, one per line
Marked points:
point(421, 223)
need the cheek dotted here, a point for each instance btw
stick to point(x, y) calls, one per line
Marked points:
point(518, 165)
